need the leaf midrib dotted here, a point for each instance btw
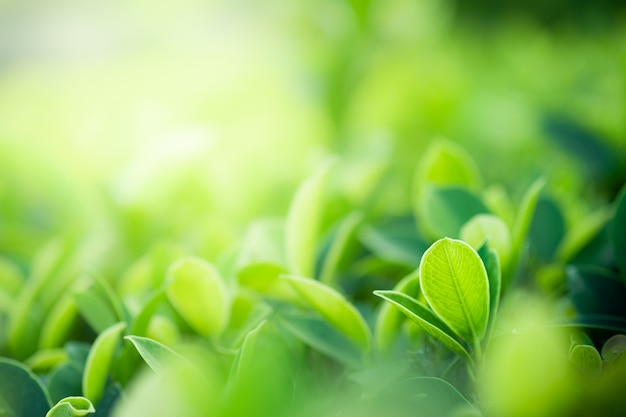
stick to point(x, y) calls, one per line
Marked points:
point(467, 316)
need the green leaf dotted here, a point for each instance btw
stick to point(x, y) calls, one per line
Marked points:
point(394, 240)
point(58, 322)
point(21, 393)
point(263, 242)
point(582, 232)
point(617, 232)
point(72, 407)
point(455, 284)
point(303, 223)
point(156, 355)
point(587, 359)
point(95, 310)
point(546, 229)
point(199, 294)
point(426, 319)
point(64, 381)
point(265, 278)
point(614, 348)
point(99, 362)
point(525, 214)
point(337, 249)
point(333, 307)
point(322, 337)
point(494, 274)
point(595, 290)
point(488, 228)
point(386, 329)
point(11, 278)
point(443, 211)
point(46, 359)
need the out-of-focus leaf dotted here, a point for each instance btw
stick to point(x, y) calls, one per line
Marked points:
point(389, 318)
point(617, 232)
point(443, 211)
point(546, 229)
point(71, 407)
point(394, 241)
point(454, 281)
point(156, 355)
point(614, 348)
point(333, 306)
point(11, 278)
point(498, 202)
point(108, 401)
point(64, 381)
point(494, 274)
point(58, 323)
point(525, 214)
point(324, 338)
point(95, 310)
point(426, 319)
point(21, 393)
point(263, 242)
point(199, 294)
point(44, 360)
point(488, 228)
point(596, 291)
point(99, 362)
point(303, 222)
point(345, 231)
point(582, 232)
point(587, 359)
point(265, 278)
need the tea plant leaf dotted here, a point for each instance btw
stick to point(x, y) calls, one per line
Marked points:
point(488, 228)
point(587, 359)
point(99, 362)
point(443, 211)
point(494, 274)
point(199, 294)
point(72, 407)
point(21, 393)
point(157, 355)
point(333, 307)
point(617, 232)
point(58, 323)
point(525, 214)
point(342, 236)
point(303, 222)
point(324, 338)
point(389, 318)
point(426, 319)
point(455, 284)
point(614, 348)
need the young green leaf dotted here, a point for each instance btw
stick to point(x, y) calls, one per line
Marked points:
point(617, 232)
point(333, 307)
point(525, 216)
point(72, 407)
point(156, 355)
point(303, 222)
point(64, 381)
point(494, 274)
point(389, 318)
point(582, 232)
point(443, 211)
point(46, 359)
point(21, 393)
point(95, 310)
point(99, 362)
point(426, 319)
point(344, 232)
point(455, 284)
point(488, 228)
point(265, 278)
point(199, 294)
point(587, 359)
point(58, 322)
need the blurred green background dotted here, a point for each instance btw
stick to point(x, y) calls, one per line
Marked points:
point(132, 121)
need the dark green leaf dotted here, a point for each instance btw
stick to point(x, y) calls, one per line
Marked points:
point(617, 233)
point(64, 381)
point(546, 230)
point(595, 290)
point(395, 241)
point(21, 393)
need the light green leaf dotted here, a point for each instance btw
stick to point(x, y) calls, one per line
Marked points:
point(389, 318)
point(337, 249)
point(455, 284)
point(46, 359)
point(488, 228)
point(581, 233)
point(303, 223)
point(614, 348)
point(64, 381)
point(72, 407)
point(11, 278)
point(587, 359)
point(333, 307)
point(525, 214)
point(157, 355)
point(263, 242)
point(426, 319)
point(95, 310)
point(58, 323)
point(265, 278)
point(199, 294)
point(21, 393)
point(99, 361)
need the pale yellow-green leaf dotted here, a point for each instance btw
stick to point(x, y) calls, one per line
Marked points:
point(455, 284)
point(72, 407)
point(99, 361)
point(333, 306)
point(199, 294)
point(587, 359)
point(487, 227)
